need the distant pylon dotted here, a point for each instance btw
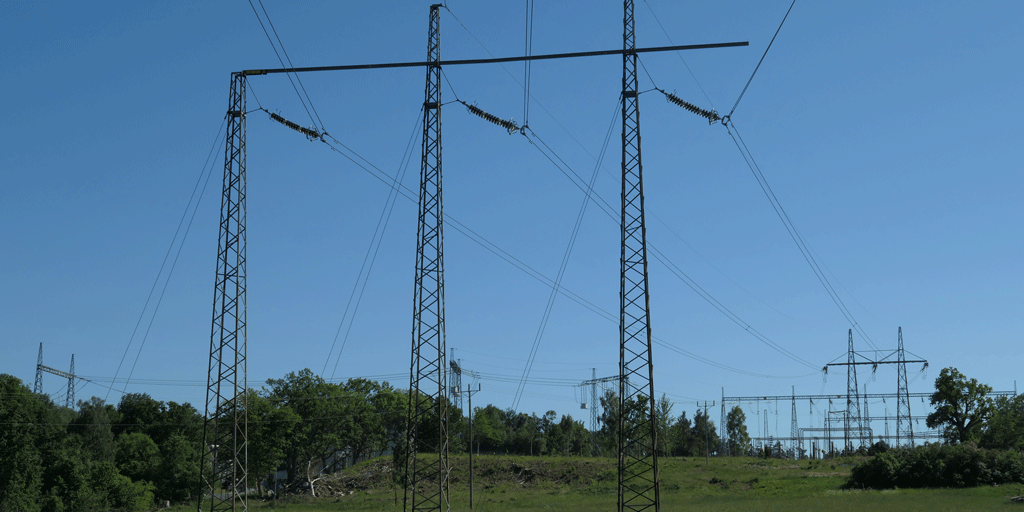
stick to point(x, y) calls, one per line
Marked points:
point(39, 372)
point(723, 445)
point(70, 404)
point(904, 424)
point(852, 396)
point(456, 381)
point(793, 429)
point(594, 416)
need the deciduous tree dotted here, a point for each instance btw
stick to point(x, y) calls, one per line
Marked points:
point(738, 441)
point(961, 406)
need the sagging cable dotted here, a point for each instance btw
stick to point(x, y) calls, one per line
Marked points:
point(310, 133)
point(509, 125)
point(710, 115)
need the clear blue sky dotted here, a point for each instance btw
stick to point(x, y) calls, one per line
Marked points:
point(891, 133)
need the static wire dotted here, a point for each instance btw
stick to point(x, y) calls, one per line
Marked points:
point(371, 254)
point(156, 280)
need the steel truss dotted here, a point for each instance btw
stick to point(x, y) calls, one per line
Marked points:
point(852, 395)
point(904, 427)
point(426, 485)
point(224, 433)
point(69, 398)
point(427, 479)
point(638, 457)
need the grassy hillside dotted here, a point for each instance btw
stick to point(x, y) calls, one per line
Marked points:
point(579, 484)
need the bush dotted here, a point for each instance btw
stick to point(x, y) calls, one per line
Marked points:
point(935, 465)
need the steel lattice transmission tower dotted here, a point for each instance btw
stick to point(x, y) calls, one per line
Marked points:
point(224, 433)
point(69, 398)
point(904, 424)
point(852, 396)
point(794, 429)
point(427, 478)
point(638, 458)
point(38, 389)
point(70, 402)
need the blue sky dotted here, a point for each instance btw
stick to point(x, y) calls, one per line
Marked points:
point(890, 132)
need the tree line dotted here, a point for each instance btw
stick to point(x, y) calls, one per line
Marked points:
point(141, 451)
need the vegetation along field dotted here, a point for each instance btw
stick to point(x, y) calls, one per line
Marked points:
point(582, 483)
point(143, 453)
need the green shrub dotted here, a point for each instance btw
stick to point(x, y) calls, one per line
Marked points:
point(935, 465)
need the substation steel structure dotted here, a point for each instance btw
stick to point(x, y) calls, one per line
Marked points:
point(69, 399)
point(866, 432)
point(904, 427)
point(426, 481)
point(594, 382)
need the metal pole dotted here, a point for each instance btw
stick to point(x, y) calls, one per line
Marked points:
point(707, 442)
point(469, 392)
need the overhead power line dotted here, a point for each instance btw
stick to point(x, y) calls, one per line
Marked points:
point(217, 143)
point(794, 234)
point(458, 226)
point(744, 91)
point(282, 61)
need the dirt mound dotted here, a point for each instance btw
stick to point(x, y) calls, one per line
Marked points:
point(374, 476)
point(531, 472)
point(370, 476)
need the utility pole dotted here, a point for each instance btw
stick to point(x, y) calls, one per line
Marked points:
point(867, 418)
point(707, 435)
point(469, 395)
point(888, 438)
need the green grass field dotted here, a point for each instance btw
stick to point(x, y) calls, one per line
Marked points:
point(582, 484)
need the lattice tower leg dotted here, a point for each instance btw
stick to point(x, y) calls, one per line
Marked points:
point(427, 477)
point(224, 434)
point(638, 458)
